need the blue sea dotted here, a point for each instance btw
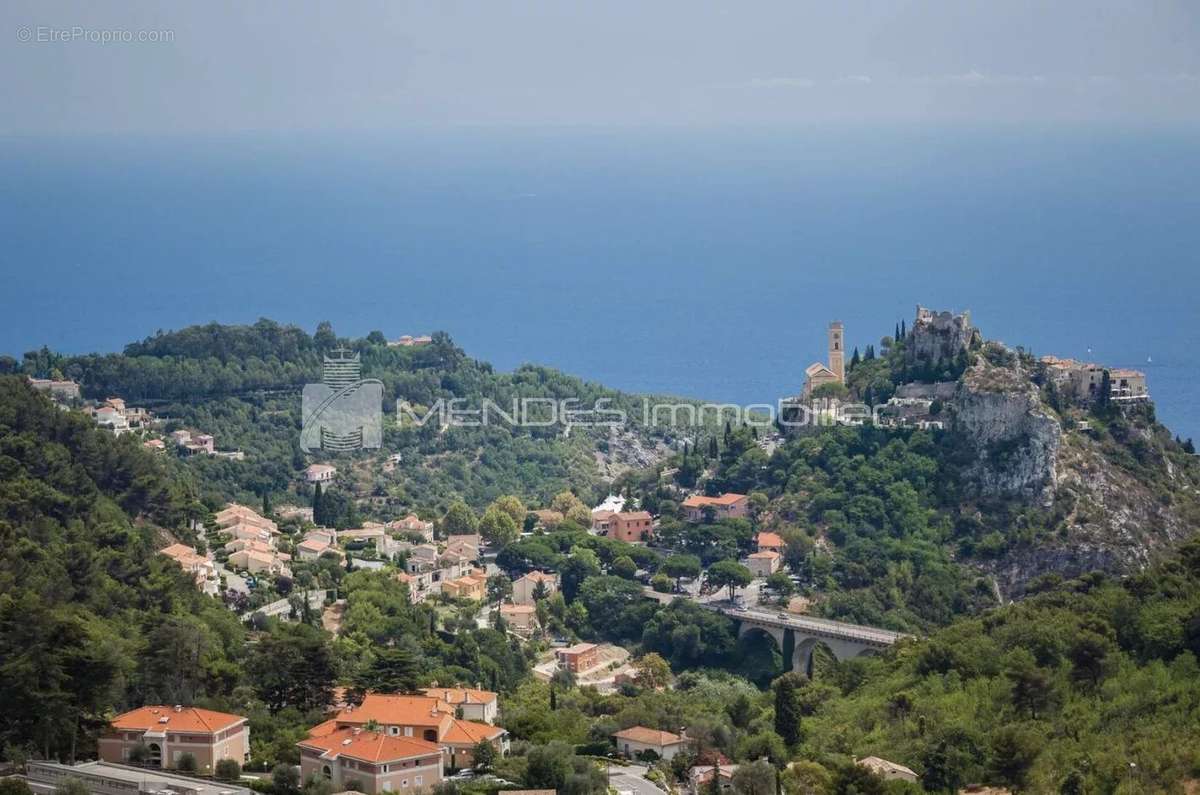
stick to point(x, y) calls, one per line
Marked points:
point(705, 263)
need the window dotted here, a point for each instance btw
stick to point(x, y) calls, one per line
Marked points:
point(408, 731)
point(393, 730)
point(418, 781)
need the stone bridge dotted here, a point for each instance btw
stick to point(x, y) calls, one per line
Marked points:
point(797, 636)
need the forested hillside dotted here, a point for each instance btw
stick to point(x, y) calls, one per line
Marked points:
point(242, 385)
point(93, 621)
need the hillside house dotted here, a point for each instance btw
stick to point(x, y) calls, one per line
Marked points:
point(765, 563)
point(726, 506)
point(471, 703)
point(635, 527)
point(167, 733)
point(200, 567)
point(427, 718)
point(521, 619)
point(578, 658)
point(638, 740)
point(525, 587)
point(375, 762)
point(320, 473)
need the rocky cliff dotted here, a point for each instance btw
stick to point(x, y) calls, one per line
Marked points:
point(998, 416)
point(1100, 492)
point(1071, 490)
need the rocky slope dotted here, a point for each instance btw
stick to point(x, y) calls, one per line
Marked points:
point(1109, 491)
point(1014, 439)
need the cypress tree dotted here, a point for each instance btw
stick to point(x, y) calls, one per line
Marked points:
point(787, 708)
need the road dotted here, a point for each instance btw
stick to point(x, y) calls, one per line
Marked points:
point(631, 779)
point(819, 626)
point(234, 582)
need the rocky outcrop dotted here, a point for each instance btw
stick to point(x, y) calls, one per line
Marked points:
point(939, 339)
point(1018, 568)
point(998, 416)
point(1112, 520)
point(623, 450)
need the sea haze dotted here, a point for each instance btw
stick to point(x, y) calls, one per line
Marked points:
point(702, 263)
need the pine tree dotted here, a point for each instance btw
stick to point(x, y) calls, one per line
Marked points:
point(395, 670)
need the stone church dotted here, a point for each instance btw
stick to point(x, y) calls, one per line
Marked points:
point(817, 374)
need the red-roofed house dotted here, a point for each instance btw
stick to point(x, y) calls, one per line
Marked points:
point(639, 739)
point(473, 704)
point(634, 527)
point(370, 762)
point(577, 658)
point(427, 718)
point(195, 564)
point(770, 542)
point(170, 732)
point(727, 506)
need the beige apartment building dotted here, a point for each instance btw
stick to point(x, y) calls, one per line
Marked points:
point(167, 733)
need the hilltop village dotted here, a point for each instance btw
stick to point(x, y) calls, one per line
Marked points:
point(731, 615)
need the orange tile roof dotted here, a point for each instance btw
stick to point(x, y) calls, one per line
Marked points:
point(177, 551)
point(395, 710)
point(578, 648)
point(324, 728)
point(769, 540)
point(374, 747)
point(186, 719)
point(467, 732)
point(641, 734)
point(461, 695)
point(625, 517)
point(699, 501)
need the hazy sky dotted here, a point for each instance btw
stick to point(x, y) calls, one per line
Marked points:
point(275, 66)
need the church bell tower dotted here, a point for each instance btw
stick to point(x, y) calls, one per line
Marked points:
point(837, 351)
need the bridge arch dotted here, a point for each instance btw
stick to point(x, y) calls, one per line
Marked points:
point(797, 637)
point(764, 651)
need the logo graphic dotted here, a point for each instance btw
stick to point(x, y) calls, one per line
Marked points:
point(344, 412)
